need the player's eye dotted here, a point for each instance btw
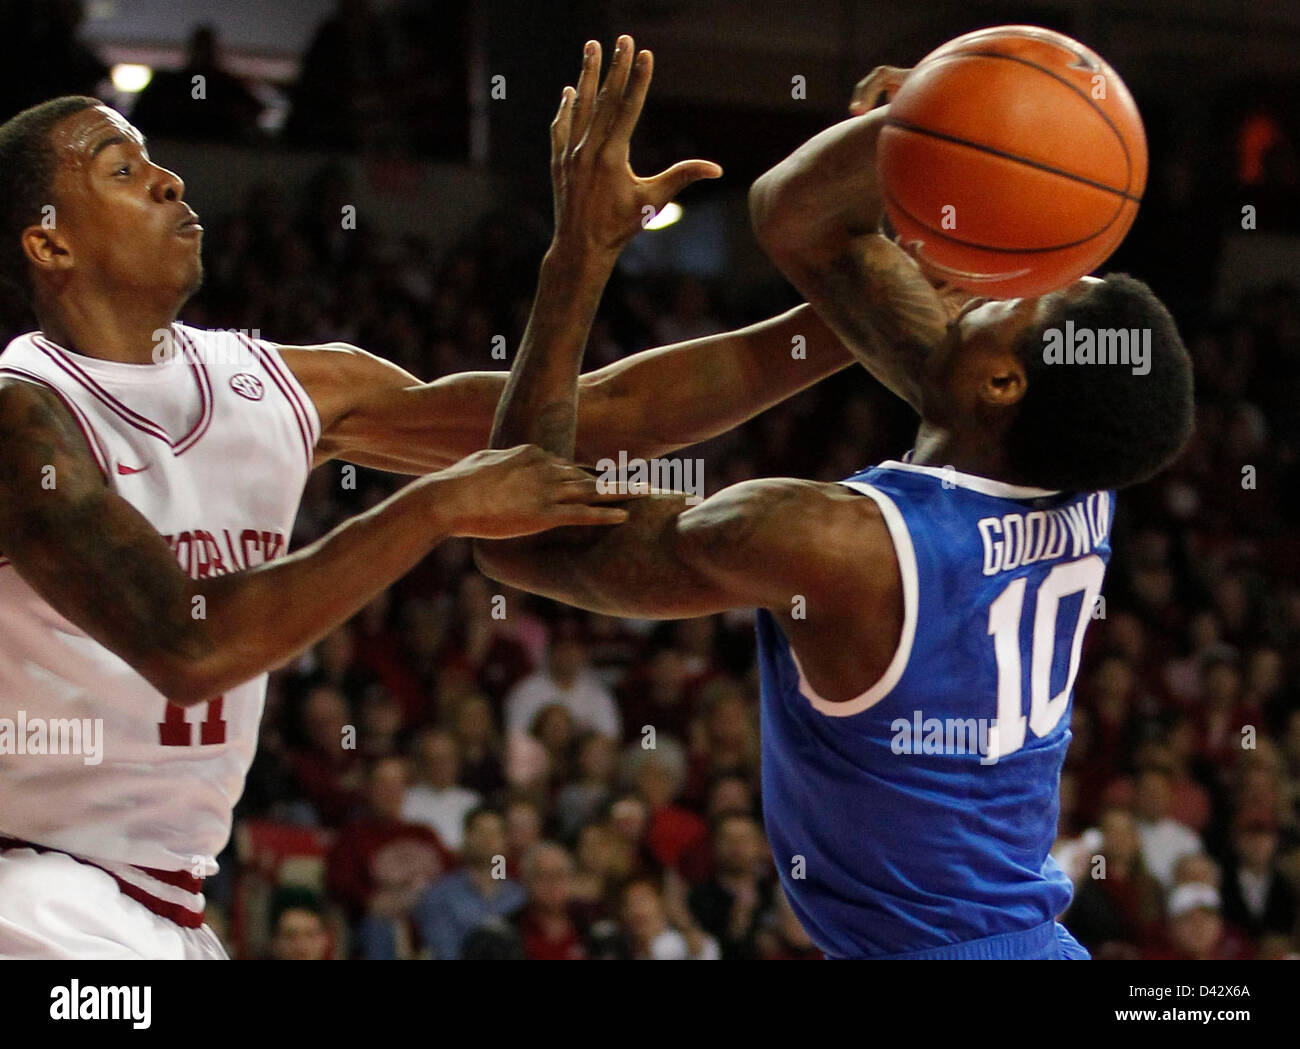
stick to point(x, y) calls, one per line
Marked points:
point(123, 169)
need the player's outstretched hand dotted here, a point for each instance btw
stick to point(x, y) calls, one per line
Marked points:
point(600, 202)
point(509, 492)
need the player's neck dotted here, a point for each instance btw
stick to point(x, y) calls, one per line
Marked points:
point(123, 330)
point(982, 455)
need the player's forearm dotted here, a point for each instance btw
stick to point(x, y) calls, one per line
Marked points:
point(632, 570)
point(258, 619)
point(808, 208)
point(540, 402)
point(659, 400)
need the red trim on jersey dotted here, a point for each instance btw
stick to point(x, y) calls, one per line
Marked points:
point(286, 387)
point(61, 358)
point(87, 431)
point(174, 912)
point(205, 393)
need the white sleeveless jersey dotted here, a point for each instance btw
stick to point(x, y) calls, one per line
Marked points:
point(224, 493)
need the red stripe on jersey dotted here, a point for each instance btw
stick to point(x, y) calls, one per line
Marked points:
point(63, 360)
point(287, 389)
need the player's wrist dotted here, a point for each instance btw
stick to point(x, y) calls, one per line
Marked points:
point(576, 257)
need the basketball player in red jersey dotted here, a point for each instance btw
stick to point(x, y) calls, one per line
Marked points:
point(145, 591)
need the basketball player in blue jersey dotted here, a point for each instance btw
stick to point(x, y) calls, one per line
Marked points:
point(919, 623)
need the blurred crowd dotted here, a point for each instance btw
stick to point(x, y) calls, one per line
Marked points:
point(465, 771)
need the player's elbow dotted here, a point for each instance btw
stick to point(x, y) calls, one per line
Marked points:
point(190, 670)
point(781, 222)
point(501, 560)
point(766, 213)
point(182, 683)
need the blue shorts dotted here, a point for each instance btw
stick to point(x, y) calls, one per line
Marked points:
point(1050, 941)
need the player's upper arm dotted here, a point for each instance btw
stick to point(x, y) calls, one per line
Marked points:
point(375, 413)
point(770, 541)
point(87, 551)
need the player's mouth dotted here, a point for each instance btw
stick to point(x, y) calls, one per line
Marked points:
point(189, 226)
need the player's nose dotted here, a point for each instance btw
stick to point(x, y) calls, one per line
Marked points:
point(167, 185)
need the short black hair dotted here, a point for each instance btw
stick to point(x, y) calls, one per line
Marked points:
point(1087, 427)
point(27, 166)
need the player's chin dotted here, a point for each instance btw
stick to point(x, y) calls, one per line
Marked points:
point(193, 279)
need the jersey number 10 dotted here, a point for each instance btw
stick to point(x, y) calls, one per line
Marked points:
point(1007, 734)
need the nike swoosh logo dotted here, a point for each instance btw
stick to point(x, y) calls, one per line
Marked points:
point(126, 471)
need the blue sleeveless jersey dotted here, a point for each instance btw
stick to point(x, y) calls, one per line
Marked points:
point(920, 815)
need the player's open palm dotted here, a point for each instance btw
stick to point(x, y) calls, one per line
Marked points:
point(509, 492)
point(600, 202)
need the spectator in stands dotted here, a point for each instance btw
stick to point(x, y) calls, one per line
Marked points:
point(658, 697)
point(524, 820)
point(461, 901)
point(730, 906)
point(1163, 839)
point(648, 932)
point(1118, 906)
point(298, 929)
point(568, 681)
point(1196, 928)
point(479, 745)
point(340, 80)
point(724, 741)
point(659, 775)
point(478, 644)
point(380, 725)
point(548, 924)
point(381, 864)
point(436, 798)
point(327, 771)
point(200, 101)
point(782, 938)
point(1256, 898)
point(580, 801)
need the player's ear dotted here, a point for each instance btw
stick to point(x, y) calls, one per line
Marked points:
point(1003, 383)
point(46, 248)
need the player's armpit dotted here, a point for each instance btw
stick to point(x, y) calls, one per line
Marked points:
point(88, 552)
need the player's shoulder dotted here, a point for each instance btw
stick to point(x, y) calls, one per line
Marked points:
point(786, 517)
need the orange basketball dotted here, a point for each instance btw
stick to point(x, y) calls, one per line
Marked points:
point(1013, 161)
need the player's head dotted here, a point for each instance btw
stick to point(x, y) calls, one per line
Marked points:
point(1088, 387)
point(84, 209)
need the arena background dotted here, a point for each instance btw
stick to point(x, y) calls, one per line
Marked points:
point(1185, 766)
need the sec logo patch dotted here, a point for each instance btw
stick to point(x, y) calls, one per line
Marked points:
point(249, 386)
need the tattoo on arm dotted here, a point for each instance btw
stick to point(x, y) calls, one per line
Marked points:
point(84, 549)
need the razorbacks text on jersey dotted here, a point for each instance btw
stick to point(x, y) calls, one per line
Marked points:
point(213, 446)
point(916, 819)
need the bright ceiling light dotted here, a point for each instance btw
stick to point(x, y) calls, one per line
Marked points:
point(668, 214)
point(130, 77)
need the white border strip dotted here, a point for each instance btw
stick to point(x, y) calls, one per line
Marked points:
point(983, 485)
point(906, 555)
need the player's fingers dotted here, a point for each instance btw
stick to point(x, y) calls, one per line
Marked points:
point(585, 102)
point(668, 183)
point(610, 99)
point(587, 515)
point(590, 490)
point(561, 128)
point(883, 80)
point(638, 84)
